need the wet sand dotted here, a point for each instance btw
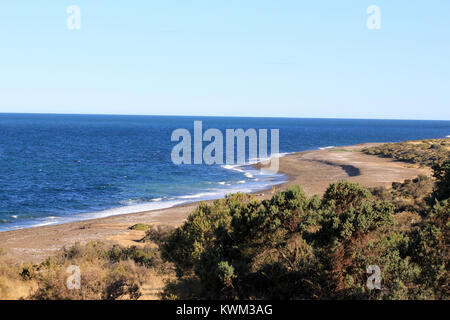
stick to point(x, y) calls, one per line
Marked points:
point(313, 170)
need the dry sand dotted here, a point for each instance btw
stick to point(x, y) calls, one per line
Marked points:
point(313, 170)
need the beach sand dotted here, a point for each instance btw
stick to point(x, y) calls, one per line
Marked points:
point(313, 170)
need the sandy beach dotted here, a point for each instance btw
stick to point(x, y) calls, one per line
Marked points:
point(313, 170)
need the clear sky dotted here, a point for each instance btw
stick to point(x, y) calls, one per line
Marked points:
point(289, 58)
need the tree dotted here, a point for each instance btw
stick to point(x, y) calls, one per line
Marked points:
point(442, 187)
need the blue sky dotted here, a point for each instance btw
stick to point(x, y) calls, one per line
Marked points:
point(227, 58)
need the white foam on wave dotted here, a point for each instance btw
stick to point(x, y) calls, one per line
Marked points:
point(47, 221)
point(152, 205)
point(329, 147)
point(43, 224)
point(145, 206)
point(203, 195)
point(265, 177)
point(234, 167)
point(129, 202)
point(227, 188)
point(256, 180)
point(272, 156)
point(246, 168)
point(447, 136)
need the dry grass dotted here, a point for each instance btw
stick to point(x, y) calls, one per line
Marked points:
point(404, 221)
point(424, 152)
point(107, 273)
point(12, 286)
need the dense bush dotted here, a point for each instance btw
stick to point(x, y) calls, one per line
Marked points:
point(220, 242)
point(295, 247)
point(410, 195)
point(428, 246)
point(157, 234)
point(442, 175)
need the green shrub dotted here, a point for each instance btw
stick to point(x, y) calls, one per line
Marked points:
point(429, 248)
point(441, 172)
point(411, 195)
point(295, 247)
point(157, 234)
point(148, 257)
point(139, 227)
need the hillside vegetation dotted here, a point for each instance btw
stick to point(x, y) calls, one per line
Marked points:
point(295, 247)
point(424, 152)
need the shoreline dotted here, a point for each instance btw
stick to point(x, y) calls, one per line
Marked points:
point(163, 204)
point(312, 170)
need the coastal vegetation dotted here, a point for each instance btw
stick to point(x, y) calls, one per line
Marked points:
point(107, 272)
point(412, 195)
point(139, 226)
point(290, 246)
point(424, 152)
point(295, 247)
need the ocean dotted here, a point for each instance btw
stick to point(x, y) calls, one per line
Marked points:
point(63, 168)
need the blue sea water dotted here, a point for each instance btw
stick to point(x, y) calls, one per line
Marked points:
point(61, 168)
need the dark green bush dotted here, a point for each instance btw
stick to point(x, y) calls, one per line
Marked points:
point(442, 176)
point(295, 247)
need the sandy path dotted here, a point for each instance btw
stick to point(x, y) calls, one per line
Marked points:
point(313, 170)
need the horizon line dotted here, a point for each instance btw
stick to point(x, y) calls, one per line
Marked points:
point(213, 116)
